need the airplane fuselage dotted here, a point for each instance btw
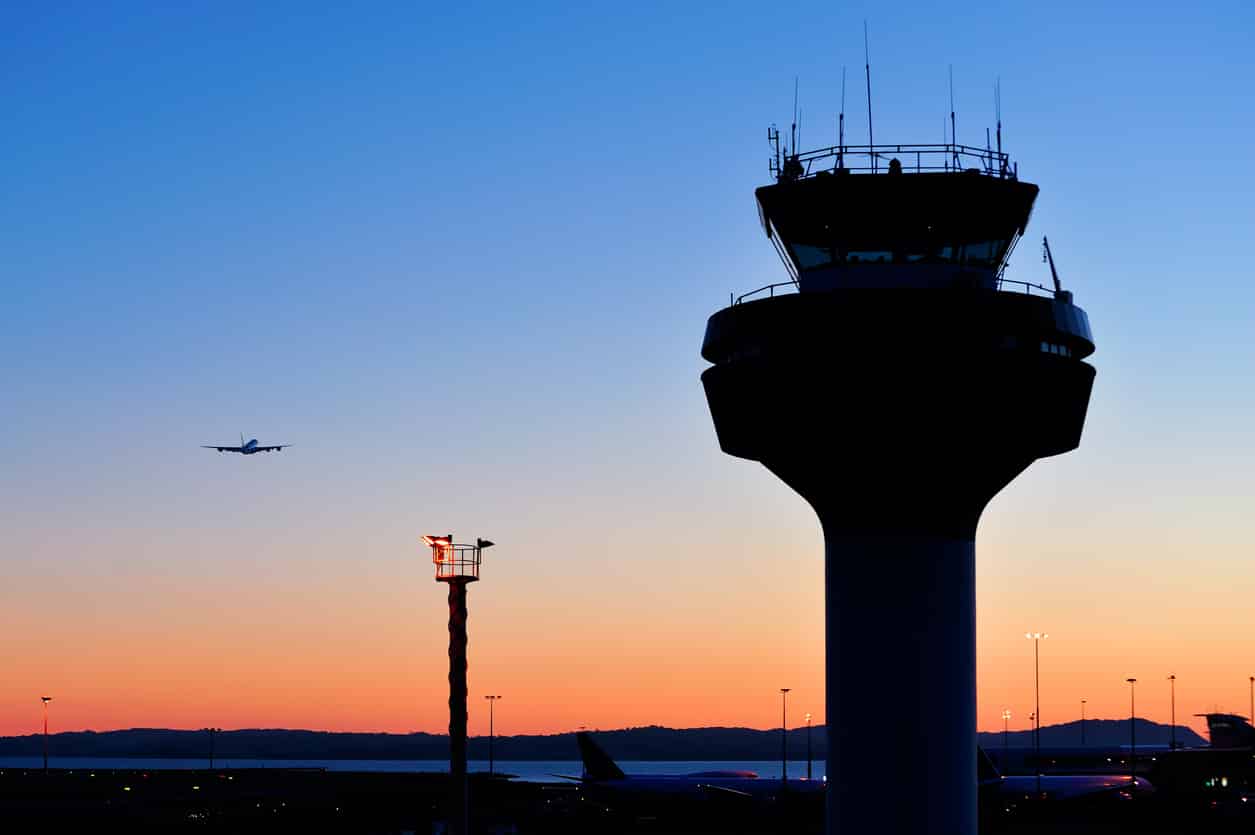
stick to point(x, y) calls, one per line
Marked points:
point(699, 784)
point(248, 447)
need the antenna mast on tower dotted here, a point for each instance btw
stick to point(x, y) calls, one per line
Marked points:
point(793, 135)
point(841, 125)
point(998, 116)
point(867, 66)
point(954, 141)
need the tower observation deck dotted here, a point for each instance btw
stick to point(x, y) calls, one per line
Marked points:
point(898, 381)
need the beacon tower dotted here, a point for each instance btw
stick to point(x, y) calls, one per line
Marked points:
point(458, 566)
point(897, 382)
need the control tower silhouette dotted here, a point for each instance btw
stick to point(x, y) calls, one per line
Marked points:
point(897, 382)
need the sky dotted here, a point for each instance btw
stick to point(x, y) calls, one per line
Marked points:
point(461, 257)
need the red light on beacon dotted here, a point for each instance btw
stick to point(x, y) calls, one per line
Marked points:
point(441, 546)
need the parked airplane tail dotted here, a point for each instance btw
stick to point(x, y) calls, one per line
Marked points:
point(597, 763)
point(1228, 730)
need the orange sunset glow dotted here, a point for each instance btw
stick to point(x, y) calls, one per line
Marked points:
point(704, 623)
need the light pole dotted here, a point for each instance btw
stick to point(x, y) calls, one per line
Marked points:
point(45, 700)
point(1132, 729)
point(1172, 746)
point(784, 735)
point(492, 702)
point(1252, 699)
point(808, 747)
point(1036, 638)
point(1082, 721)
point(212, 733)
point(1006, 717)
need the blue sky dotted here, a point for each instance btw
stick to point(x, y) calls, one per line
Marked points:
point(462, 259)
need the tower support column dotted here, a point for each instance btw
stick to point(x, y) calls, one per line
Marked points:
point(901, 683)
point(458, 805)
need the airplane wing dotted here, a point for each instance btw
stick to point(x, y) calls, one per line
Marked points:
point(711, 788)
point(224, 448)
point(270, 448)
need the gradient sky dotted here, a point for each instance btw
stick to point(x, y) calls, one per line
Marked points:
point(462, 258)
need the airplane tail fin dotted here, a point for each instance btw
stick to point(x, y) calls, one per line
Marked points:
point(1228, 730)
point(597, 763)
point(985, 768)
point(241, 439)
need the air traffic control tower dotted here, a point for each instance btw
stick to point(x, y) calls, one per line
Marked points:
point(897, 382)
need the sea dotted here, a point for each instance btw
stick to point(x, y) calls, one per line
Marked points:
point(530, 771)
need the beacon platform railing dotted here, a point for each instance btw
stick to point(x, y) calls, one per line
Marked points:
point(454, 561)
point(1003, 285)
point(875, 159)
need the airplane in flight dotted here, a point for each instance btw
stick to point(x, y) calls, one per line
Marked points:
point(246, 448)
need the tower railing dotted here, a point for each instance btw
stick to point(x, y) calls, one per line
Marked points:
point(455, 561)
point(781, 288)
point(771, 291)
point(875, 159)
point(1026, 287)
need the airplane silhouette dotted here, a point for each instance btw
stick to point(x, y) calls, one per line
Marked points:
point(247, 448)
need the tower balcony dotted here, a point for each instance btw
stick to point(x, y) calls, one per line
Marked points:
point(454, 561)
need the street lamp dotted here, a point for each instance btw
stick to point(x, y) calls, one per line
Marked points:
point(212, 733)
point(808, 747)
point(1132, 729)
point(1082, 721)
point(1253, 698)
point(1172, 746)
point(784, 735)
point(492, 701)
point(1006, 717)
point(1037, 638)
point(45, 700)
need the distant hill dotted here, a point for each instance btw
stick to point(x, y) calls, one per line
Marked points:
point(646, 743)
point(1099, 733)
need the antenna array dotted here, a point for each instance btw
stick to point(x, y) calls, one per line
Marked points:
point(786, 156)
